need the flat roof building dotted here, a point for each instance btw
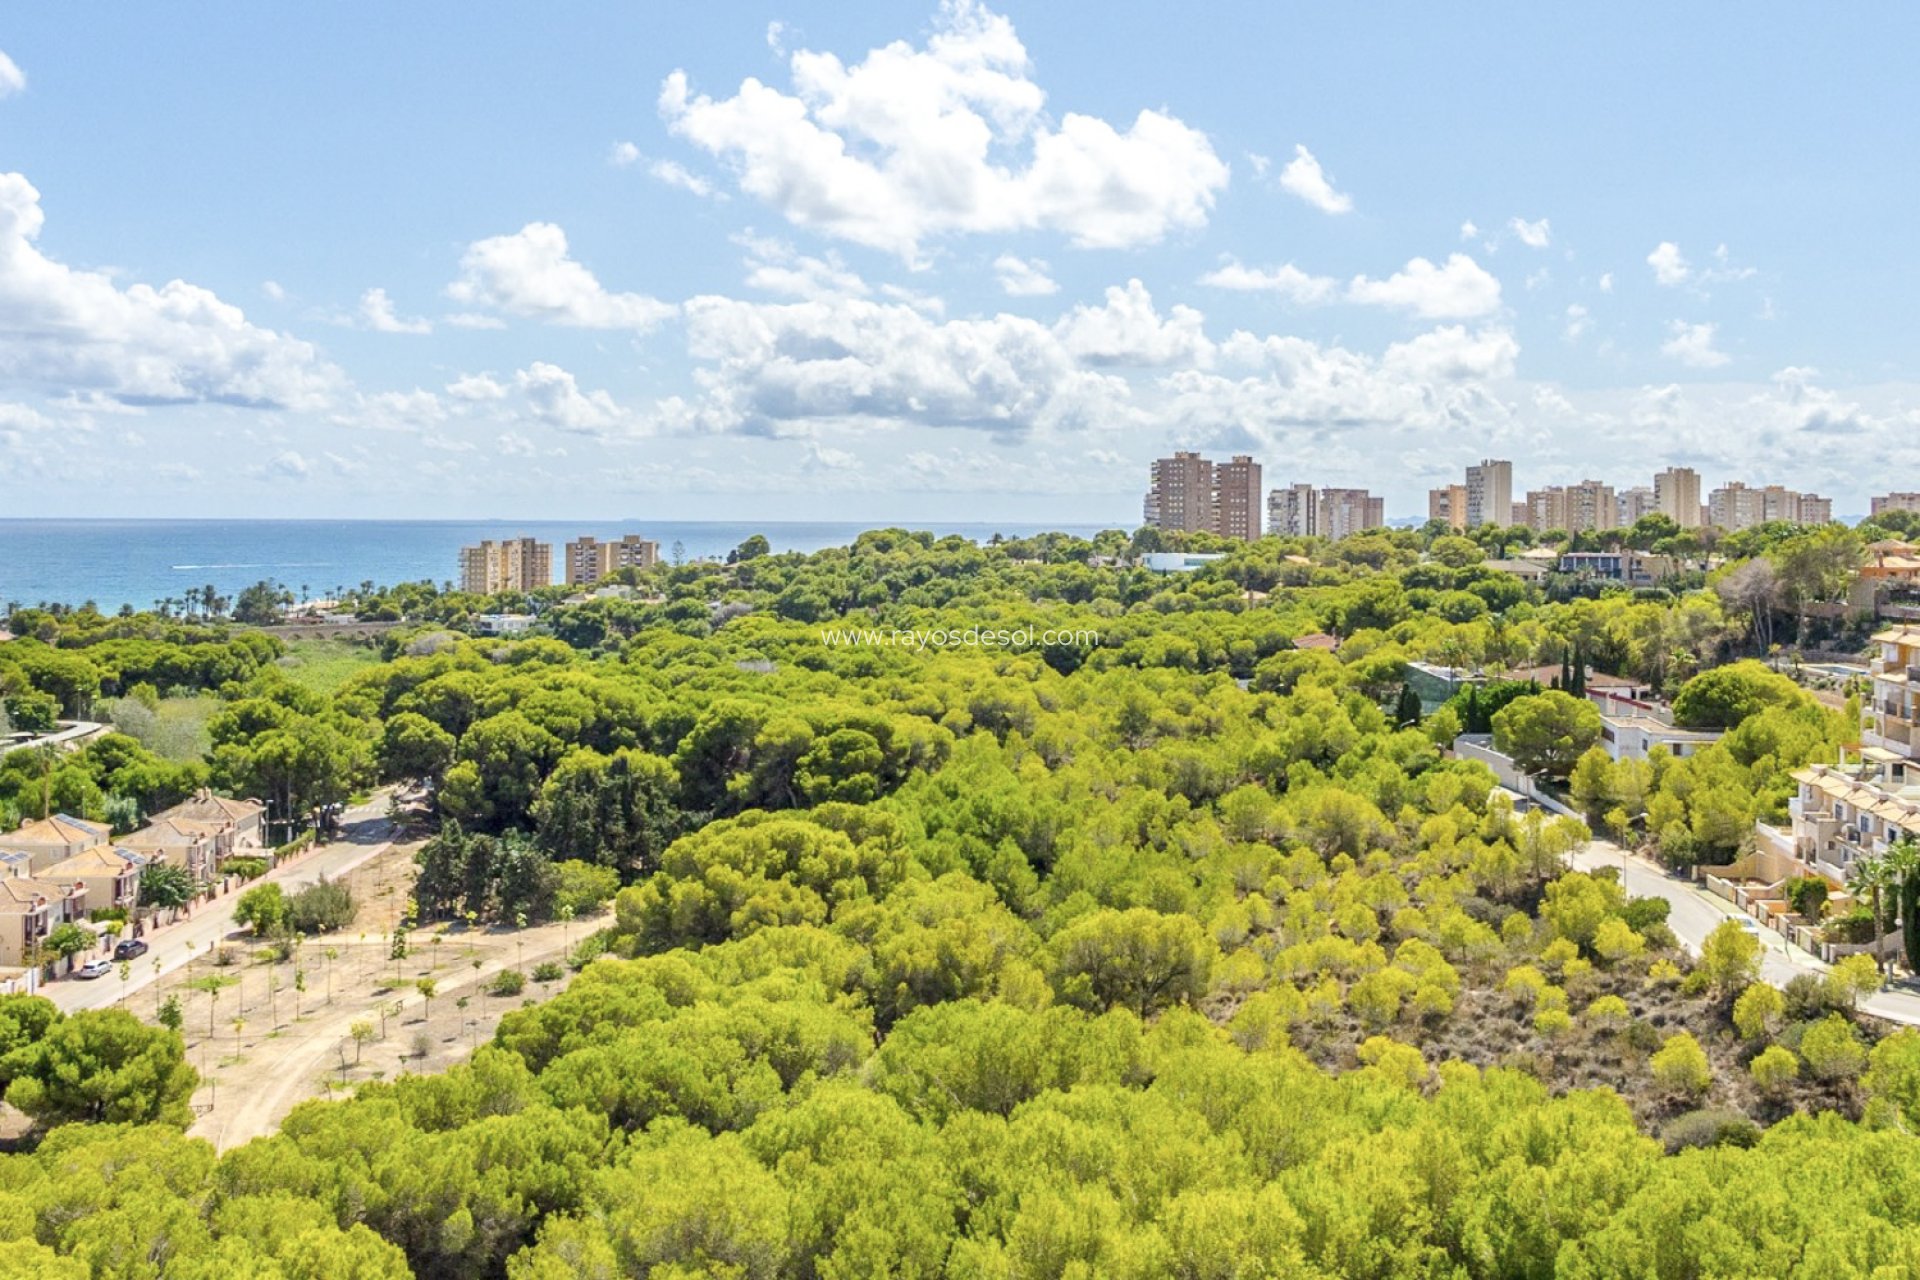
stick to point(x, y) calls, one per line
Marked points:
point(511, 564)
point(588, 559)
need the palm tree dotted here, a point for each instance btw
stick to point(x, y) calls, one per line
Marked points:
point(1903, 868)
point(1873, 877)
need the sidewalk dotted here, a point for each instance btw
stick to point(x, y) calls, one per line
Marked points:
point(1697, 913)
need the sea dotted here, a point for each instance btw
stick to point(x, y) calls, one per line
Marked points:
point(141, 562)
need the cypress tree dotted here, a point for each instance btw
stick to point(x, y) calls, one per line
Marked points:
point(1406, 712)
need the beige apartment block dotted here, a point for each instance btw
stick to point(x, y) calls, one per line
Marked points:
point(588, 559)
point(1895, 502)
point(1736, 506)
point(1448, 504)
point(1676, 495)
point(512, 564)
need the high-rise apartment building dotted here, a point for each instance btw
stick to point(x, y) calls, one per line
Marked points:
point(1300, 510)
point(1290, 512)
point(1341, 513)
point(1236, 498)
point(1490, 493)
point(1676, 494)
point(1448, 505)
point(1180, 494)
point(1736, 506)
point(1589, 507)
point(1631, 504)
point(1191, 494)
point(589, 559)
point(1896, 502)
point(511, 564)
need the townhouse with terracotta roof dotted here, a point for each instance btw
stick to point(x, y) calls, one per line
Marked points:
point(49, 840)
point(32, 909)
point(1855, 809)
point(238, 824)
point(1861, 806)
point(177, 844)
point(1892, 563)
point(110, 873)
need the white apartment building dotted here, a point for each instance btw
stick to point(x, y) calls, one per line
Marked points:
point(1490, 493)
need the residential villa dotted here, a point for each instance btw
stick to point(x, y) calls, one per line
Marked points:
point(234, 826)
point(111, 875)
point(15, 865)
point(32, 909)
point(177, 844)
point(51, 840)
point(1635, 568)
point(1891, 563)
point(1895, 708)
point(1860, 806)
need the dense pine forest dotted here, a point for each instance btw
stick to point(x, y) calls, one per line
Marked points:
point(1170, 946)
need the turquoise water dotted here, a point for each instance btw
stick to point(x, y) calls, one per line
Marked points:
point(137, 562)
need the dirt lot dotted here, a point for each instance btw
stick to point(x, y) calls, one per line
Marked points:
point(263, 1045)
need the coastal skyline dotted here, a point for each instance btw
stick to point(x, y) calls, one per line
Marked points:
point(957, 261)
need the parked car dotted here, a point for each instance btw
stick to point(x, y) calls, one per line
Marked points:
point(94, 969)
point(131, 949)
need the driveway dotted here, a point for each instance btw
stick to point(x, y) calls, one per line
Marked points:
point(365, 834)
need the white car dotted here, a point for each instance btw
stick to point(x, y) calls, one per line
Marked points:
point(94, 969)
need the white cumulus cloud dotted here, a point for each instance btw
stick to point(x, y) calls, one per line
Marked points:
point(1692, 345)
point(1670, 267)
point(12, 79)
point(377, 313)
point(675, 174)
point(554, 397)
point(1286, 280)
point(1023, 277)
point(1458, 289)
point(1535, 235)
point(1128, 329)
point(1303, 177)
point(531, 274)
point(475, 388)
point(77, 330)
point(912, 143)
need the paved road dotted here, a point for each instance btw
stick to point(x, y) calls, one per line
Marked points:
point(71, 734)
point(1696, 913)
point(365, 834)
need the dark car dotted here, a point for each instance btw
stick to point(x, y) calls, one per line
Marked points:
point(130, 949)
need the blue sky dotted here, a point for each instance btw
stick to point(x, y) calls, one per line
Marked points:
point(888, 261)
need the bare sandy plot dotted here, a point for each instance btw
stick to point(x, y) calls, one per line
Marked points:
point(279, 1032)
